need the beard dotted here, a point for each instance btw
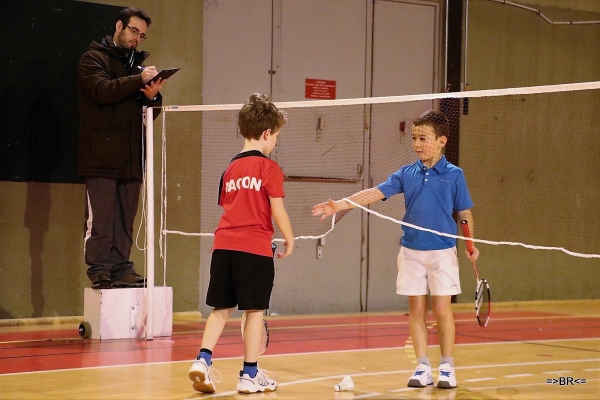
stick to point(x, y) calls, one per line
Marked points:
point(121, 41)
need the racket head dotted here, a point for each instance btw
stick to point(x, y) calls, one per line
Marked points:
point(483, 302)
point(264, 336)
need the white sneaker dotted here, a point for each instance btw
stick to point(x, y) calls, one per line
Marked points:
point(422, 376)
point(447, 378)
point(260, 383)
point(200, 374)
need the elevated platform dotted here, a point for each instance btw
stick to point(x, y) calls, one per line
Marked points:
point(121, 314)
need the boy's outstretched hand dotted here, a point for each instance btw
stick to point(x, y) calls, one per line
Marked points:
point(325, 209)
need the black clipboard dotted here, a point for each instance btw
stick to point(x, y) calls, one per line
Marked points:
point(164, 74)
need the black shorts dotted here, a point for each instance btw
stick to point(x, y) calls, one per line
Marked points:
point(240, 279)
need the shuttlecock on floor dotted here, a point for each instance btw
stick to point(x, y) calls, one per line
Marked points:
point(345, 384)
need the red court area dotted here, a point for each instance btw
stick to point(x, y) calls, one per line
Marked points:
point(60, 347)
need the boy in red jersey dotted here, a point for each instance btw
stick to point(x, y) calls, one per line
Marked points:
point(242, 270)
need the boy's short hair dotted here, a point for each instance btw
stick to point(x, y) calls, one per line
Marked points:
point(437, 120)
point(259, 114)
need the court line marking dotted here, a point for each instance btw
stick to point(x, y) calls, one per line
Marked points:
point(324, 378)
point(519, 375)
point(591, 369)
point(556, 372)
point(480, 379)
point(272, 328)
point(364, 396)
point(399, 348)
point(408, 389)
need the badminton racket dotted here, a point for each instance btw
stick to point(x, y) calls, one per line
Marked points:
point(483, 300)
point(264, 336)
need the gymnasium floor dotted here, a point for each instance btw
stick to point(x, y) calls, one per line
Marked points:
point(547, 350)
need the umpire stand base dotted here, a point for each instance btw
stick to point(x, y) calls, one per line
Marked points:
point(121, 314)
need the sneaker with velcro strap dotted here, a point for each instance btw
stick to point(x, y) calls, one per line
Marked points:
point(447, 377)
point(421, 377)
point(260, 383)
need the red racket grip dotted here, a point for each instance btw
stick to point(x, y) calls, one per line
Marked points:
point(465, 228)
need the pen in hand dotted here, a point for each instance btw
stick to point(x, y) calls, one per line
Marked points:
point(148, 73)
point(141, 69)
point(145, 74)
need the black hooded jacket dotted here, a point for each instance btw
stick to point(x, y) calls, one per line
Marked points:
point(110, 111)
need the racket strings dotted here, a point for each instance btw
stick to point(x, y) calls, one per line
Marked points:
point(264, 339)
point(479, 296)
point(483, 303)
point(264, 336)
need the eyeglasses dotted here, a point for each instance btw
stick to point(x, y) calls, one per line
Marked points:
point(136, 32)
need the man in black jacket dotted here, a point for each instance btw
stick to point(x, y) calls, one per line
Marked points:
point(113, 88)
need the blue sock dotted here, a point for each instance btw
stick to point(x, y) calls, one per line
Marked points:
point(250, 368)
point(206, 355)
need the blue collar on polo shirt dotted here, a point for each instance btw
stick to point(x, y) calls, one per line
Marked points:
point(439, 167)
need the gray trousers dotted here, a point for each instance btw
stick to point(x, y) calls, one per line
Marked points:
point(111, 206)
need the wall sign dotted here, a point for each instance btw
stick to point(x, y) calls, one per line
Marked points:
point(319, 89)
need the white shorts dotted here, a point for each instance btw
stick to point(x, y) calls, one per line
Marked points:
point(420, 270)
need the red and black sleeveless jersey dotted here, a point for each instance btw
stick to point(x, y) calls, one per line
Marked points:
point(246, 185)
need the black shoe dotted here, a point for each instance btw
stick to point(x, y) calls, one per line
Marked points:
point(129, 281)
point(102, 281)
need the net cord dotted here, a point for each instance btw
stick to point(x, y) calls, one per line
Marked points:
point(541, 15)
point(167, 231)
point(572, 253)
point(568, 87)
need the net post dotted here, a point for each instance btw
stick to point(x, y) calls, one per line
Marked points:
point(149, 223)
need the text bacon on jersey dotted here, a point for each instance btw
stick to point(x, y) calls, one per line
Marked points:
point(246, 182)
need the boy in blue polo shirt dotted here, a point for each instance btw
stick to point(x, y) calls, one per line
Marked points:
point(427, 263)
